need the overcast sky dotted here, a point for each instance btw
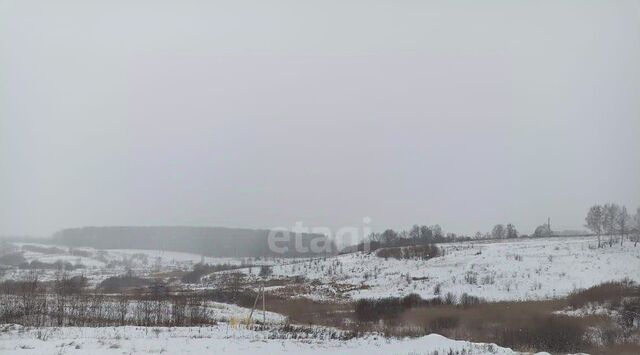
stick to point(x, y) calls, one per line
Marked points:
point(264, 113)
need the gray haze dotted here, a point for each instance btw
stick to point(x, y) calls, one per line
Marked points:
point(261, 114)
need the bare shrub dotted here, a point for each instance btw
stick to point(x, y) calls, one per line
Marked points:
point(441, 323)
point(469, 300)
point(449, 298)
point(550, 333)
point(117, 284)
point(423, 252)
point(630, 313)
point(471, 278)
point(385, 308)
point(201, 269)
point(612, 292)
point(488, 280)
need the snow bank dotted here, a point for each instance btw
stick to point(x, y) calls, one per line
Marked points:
point(218, 339)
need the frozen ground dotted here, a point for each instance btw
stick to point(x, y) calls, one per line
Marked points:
point(528, 269)
point(216, 340)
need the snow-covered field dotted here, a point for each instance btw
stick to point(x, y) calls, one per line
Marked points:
point(528, 269)
point(218, 339)
point(101, 264)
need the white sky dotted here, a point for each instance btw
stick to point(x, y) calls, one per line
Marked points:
point(261, 114)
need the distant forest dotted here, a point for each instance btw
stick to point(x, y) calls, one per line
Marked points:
point(208, 241)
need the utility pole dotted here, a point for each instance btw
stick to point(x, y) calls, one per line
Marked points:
point(255, 303)
point(264, 312)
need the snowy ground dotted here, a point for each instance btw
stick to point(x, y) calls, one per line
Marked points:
point(101, 264)
point(523, 269)
point(528, 269)
point(216, 340)
point(509, 270)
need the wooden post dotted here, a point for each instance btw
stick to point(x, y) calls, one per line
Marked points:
point(264, 312)
point(254, 307)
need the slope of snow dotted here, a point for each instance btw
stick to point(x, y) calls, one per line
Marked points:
point(216, 340)
point(510, 270)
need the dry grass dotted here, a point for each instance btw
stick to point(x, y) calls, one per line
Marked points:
point(619, 349)
point(519, 325)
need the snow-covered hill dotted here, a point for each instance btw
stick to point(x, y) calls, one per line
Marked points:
point(508, 270)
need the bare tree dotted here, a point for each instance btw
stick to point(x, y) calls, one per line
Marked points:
point(388, 237)
point(61, 289)
point(123, 307)
point(234, 283)
point(374, 237)
point(426, 234)
point(414, 233)
point(623, 220)
point(511, 232)
point(178, 309)
point(437, 232)
point(594, 221)
point(637, 227)
point(498, 231)
point(611, 211)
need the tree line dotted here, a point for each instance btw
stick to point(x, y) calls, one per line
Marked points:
point(424, 235)
point(609, 219)
point(612, 220)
